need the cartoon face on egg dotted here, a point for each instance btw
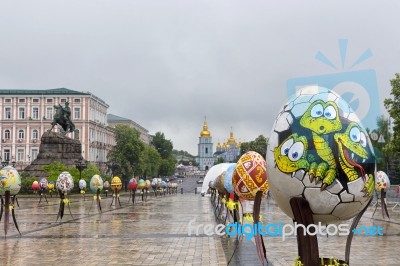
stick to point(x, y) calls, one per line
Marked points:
point(319, 150)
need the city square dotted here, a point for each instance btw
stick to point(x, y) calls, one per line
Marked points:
point(204, 132)
point(155, 232)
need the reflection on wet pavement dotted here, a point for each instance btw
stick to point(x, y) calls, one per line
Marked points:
point(156, 233)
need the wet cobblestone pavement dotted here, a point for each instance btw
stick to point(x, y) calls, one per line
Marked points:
point(155, 232)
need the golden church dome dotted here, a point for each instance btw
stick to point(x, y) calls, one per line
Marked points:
point(205, 132)
point(231, 138)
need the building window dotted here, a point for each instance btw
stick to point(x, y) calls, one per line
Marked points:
point(21, 113)
point(63, 100)
point(21, 134)
point(49, 113)
point(35, 113)
point(77, 113)
point(7, 112)
point(8, 100)
point(49, 100)
point(35, 153)
point(77, 100)
point(21, 100)
point(206, 150)
point(35, 134)
point(7, 134)
point(6, 155)
point(36, 100)
point(20, 154)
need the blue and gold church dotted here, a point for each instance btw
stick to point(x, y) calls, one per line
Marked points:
point(205, 157)
point(228, 151)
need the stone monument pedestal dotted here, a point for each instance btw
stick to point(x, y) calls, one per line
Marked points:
point(55, 147)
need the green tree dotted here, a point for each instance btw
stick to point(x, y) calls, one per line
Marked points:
point(150, 162)
point(54, 170)
point(127, 152)
point(258, 145)
point(164, 148)
point(162, 145)
point(393, 107)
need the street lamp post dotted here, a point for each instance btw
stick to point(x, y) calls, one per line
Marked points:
point(80, 165)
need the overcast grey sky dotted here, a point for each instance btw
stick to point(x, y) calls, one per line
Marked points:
point(168, 64)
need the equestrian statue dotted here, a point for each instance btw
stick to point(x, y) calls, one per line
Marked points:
point(62, 117)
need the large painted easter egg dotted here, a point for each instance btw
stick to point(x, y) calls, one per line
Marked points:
point(132, 185)
point(250, 175)
point(64, 182)
point(228, 178)
point(43, 183)
point(154, 183)
point(51, 185)
point(147, 184)
point(96, 183)
point(116, 183)
point(381, 181)
point(219, 183)
point(35, 185)
point(9, 180)
point(319, 150)
point(141, 184)
point(82, 184)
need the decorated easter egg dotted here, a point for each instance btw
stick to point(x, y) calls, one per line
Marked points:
point(9, 180)
point(219, 183)
point(249, 176)
point(154, 183)
point(35, 185)
point(106, 185)
point(141, 184)
point(147, 184)
point(116, 183)
point(96, 183)
point(211, 184)
point(82, 184)
point(64, 182)
point(43, 183)
point(164, 184)
point(381, 181)
point(132, 185)
point(228, 178)
point(319, 150)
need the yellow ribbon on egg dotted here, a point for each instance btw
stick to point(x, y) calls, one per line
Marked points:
point(66, 201)
point(231, 205)
point(11, 207)
point(298, 262)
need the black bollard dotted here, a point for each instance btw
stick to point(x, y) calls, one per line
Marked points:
point(195, 190)
point(181, 190)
